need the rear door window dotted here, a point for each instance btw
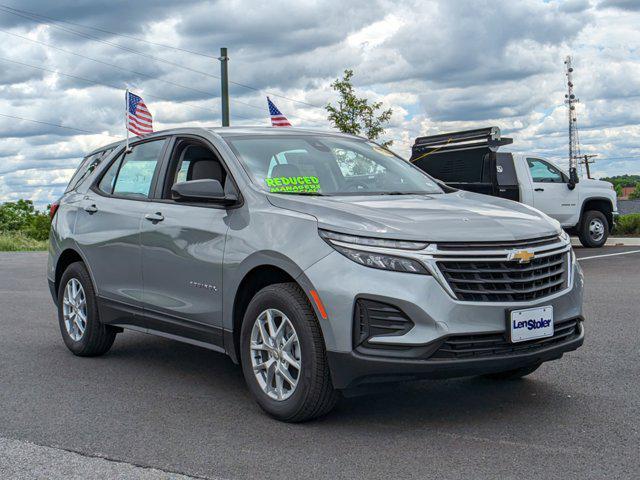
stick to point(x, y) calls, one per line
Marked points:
point(108, 179)
point(137, 170)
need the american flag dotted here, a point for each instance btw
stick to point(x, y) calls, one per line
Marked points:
point(139, 120)
point(277, 119)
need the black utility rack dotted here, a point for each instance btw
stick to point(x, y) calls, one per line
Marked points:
point(468, 160)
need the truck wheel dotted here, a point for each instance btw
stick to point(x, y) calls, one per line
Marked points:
point(283, 355)
point(513, 374)
point(80, 325)
point(594, 229)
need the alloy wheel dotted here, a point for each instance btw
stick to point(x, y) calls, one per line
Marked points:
point(275, 354)
point(74, 309)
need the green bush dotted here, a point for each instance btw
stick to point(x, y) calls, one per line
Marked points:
point(21, 216)
point(628, 224)
point(18, 242)
point(39, 226)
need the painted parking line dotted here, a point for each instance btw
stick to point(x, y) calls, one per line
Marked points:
point(609, 255)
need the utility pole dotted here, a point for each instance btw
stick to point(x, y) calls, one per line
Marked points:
point(570, 100)
point(586, 162)
point(224, 86)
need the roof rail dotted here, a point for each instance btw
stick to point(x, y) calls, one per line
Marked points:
point(480, 137)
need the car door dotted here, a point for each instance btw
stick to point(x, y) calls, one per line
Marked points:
point(182, 249)
point(107, 230)
point(550, 191)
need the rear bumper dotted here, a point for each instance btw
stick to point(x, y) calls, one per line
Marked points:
point(352, 369)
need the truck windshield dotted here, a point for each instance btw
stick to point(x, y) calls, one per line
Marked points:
point(327, 165)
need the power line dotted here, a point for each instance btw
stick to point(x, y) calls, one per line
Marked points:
point(208, 94)
point(620, 158)
point(56, 125)
point(163, 45)
point(106, 63)
point(87, 80)
point(30, 16)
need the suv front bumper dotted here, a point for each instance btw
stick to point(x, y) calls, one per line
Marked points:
point(352, 369)
point(436, 315)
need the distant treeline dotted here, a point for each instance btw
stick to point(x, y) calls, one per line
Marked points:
point(620, 181)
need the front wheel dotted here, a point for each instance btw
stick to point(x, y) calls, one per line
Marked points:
point(283, 355)
point(594, 229)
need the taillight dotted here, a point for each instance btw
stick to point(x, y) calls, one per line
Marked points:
point(53, 210)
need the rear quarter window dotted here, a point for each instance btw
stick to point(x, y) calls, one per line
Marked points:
point(86, 168)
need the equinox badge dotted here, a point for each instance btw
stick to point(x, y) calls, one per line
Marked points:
point(523, 256)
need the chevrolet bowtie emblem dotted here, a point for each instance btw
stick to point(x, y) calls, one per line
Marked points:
point(523, 256)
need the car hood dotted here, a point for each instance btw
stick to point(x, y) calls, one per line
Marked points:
point(459, 216)
point(591, 183)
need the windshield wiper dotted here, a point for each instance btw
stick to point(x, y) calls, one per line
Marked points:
point(308, 194)
point(398, 193)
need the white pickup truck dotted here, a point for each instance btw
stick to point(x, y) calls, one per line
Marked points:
point(469, 160)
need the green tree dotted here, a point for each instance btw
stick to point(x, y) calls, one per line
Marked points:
point(16, 216)
point(635, 195)
point(39, 226)
point(356, 115)
point(618, 188)
point(21, 216)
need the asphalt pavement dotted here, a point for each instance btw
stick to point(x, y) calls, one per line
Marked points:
point(154, 408)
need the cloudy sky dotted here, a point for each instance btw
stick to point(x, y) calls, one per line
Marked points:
point(441, 65)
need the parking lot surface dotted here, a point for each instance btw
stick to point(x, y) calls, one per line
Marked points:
point(153, 408)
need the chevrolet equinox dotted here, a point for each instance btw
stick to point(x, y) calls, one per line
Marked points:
point(319, 262)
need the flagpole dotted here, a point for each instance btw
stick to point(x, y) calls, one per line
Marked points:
point(126, 117)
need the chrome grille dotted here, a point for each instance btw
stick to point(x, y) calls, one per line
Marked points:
point(486, 274)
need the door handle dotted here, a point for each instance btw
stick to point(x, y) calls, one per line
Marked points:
point(154, 217)
point(91, 209)
point(539, 189)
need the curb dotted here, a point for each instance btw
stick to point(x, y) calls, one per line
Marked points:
point(613, 242)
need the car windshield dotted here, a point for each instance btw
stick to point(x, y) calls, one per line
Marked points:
point(327, 165)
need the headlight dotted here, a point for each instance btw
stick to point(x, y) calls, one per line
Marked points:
point(378, 260)
point(372, 242)
point(564, 236)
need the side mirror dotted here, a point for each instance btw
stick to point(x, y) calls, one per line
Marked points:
point(207, 190)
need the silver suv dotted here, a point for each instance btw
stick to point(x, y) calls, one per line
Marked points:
point(320, 262)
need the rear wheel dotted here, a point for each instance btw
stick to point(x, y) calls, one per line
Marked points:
point(283, 355)
point(82, 331)
point(594, 229)
point(513, 374)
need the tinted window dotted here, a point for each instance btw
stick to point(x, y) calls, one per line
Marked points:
point(137, 169)
point(544, 172)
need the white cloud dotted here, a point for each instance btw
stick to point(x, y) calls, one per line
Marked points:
point(441, 65)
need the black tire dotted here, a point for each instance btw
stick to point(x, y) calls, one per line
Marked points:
point(314, 394)
point(514, 374)
point(584, 232)
point(97, 338)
